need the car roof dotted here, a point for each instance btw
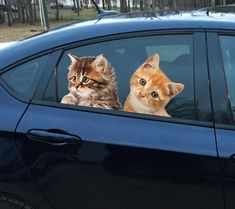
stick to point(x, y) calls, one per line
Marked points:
point(123, 23)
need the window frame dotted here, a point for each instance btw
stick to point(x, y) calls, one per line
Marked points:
point(220, 100)
point(51, 62)
point(198, 35)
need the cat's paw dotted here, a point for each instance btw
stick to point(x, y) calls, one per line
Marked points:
point(69, 99)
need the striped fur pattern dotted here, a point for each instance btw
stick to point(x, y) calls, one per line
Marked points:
point(91, 82)
point(151, 89)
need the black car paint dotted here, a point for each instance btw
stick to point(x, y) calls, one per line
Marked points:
point(115, 164)
point(14, 177)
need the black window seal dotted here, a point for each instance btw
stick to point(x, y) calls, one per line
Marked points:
point(45, 78)
point(11, 67)
point(214, 53)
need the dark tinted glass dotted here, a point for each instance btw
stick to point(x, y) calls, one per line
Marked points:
point(24, 78)
point(228, 53)
point(126, 55)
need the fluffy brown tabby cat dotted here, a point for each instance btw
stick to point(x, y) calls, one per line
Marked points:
point(91, 82)
point(151, 89)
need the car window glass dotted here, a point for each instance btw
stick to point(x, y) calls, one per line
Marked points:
point(126, 55)
point(50, 93)
point(24, 78)
point(228, 53)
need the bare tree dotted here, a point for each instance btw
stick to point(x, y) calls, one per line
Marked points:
point(154, 4)
point(172, 4)
point(9, 10)
point(141, 5)
point(160, 5)
point(147, 4)
point(128, 5)
point(108, 2)
point(123, 6)
point(78, 7)
point(135, 4)
point(103, 4)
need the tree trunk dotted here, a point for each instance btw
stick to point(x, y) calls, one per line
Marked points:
point(78, 7)
point(154, 4)
point(8, 7)
point(29, 9)
point(172, 4)
point(57, 10)
point(135, 4)
point(128, 5)
point(213, 3)
point(147, 5)
point(74, 6)
point(141, 5)
point(103, 3)
point(123, 6)
point(160, 4)
point(108, 2)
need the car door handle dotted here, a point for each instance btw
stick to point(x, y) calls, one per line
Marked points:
point(53, 137)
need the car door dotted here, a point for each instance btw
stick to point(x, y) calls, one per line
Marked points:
point(222, 56)
point(17, 188)
point(83, 157)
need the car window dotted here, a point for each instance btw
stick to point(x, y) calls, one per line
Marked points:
point(228, 53)
point(24, 78)
point(126, 55)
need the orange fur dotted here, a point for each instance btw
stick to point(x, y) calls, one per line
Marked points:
point(151, 89)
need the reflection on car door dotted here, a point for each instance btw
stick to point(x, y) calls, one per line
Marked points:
point(107, 161)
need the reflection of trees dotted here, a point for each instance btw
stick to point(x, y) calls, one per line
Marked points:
point(182, 108)
point(10, 165)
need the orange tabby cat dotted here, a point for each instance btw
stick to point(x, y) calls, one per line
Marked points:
point(91, 82)
point(151, 89)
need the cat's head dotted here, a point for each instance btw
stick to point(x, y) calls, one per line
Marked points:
point(88, 75)
point(151, 86)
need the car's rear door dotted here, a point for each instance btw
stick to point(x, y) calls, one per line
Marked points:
point(94, 158)
point(221, 48)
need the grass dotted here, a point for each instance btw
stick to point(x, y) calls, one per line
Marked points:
point(22, 31)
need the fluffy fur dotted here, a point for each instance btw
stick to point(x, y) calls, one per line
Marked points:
point(91, 82)
point(151, 89)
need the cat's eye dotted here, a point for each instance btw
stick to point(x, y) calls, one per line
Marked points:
point(154, 94)
point(73, 79)
point(142, 82)
point(85, 79)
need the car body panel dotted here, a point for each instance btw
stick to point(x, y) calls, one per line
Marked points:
point(224, 125)
point(226, 150)
point(135, 162)
point(14, 179)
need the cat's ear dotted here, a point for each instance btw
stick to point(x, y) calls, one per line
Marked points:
point(100, 63)
point(153, 61)
point(73, 57)
point(175, 88)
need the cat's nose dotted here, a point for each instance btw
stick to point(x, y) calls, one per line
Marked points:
point(140, 94)
point(78, 85)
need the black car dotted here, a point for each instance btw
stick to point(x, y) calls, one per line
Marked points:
point(59, 156)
